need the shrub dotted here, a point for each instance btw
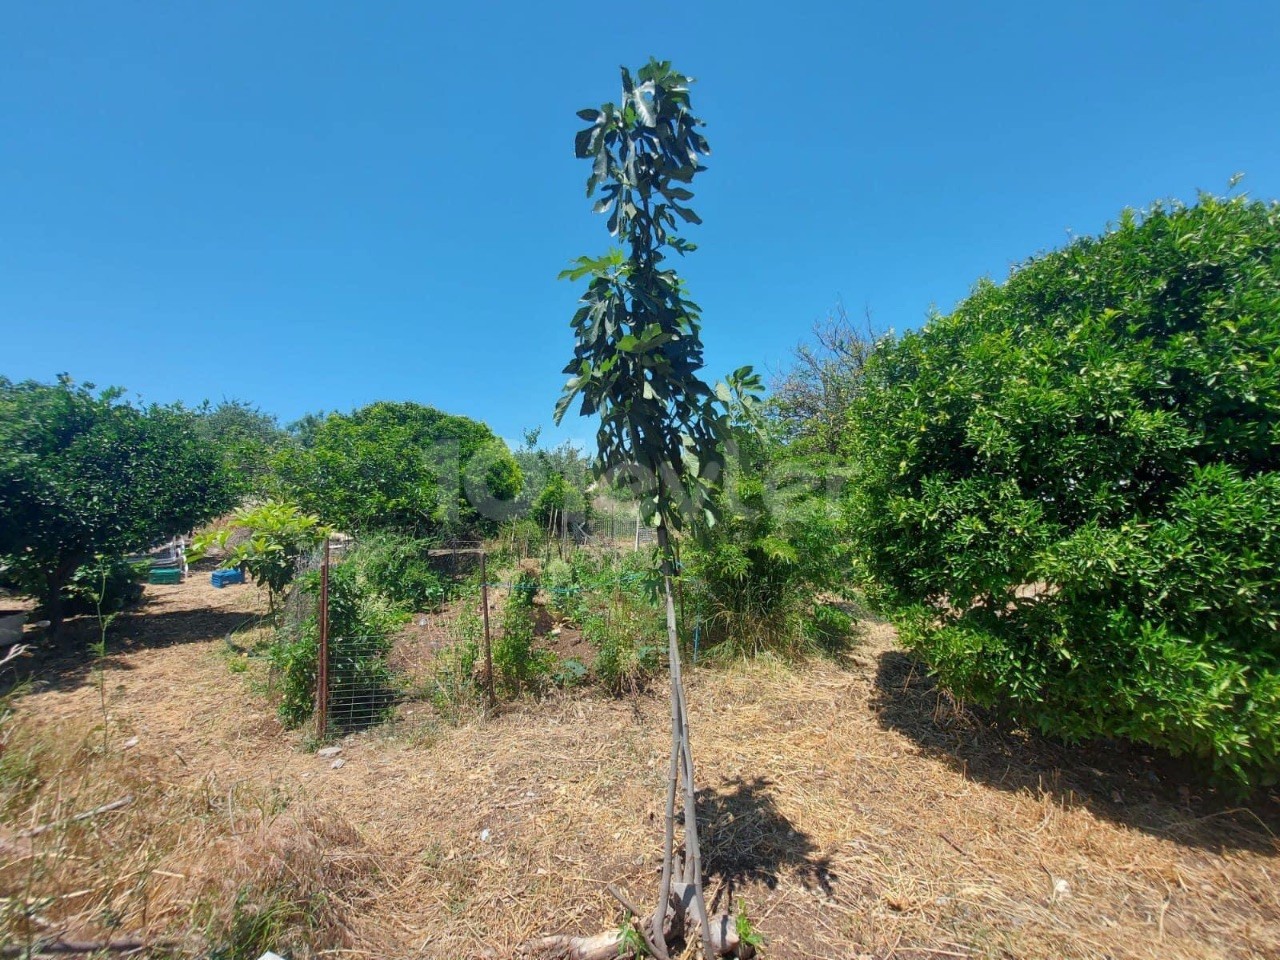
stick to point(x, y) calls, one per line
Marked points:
point(628, 637)
point(399, 568)
point(1069, 488)
point(360, 625)
point(267, 540)
point(113, 580)
point(517, 666)
point(400, 467)
point(757, 579)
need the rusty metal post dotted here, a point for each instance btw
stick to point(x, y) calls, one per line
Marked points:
point(484, 606)
point(322, 671)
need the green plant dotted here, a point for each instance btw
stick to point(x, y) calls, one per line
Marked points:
point(276, 535)
point(400, 467)
point(99, 647)
point(630, 941)
point(747, 934)
point(638, 357)
point(261, 921)
point(757, 580)
point(1068, 489)
point(246, 437)
point(83, 474)
point(105, 583)
point(399, 568)
point(452, 688)
point(517, 665)
point(628, 639)
point(361, 622)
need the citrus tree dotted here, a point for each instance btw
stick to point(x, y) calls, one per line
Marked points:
point(1068, 489)
point(400, 467)
point(86, 477)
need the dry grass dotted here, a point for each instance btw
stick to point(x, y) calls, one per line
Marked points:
point(852, 811)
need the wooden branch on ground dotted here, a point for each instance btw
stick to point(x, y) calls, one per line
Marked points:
point(16, 651)
point(105, 808)
point(723, 937)
point(38, 947)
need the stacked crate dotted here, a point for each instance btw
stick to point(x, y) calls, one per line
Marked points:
point(223, 578)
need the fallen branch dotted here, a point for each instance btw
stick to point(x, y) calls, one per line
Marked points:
point(75, 946)
point(723, 936)
point(105, 808)
point(20, 650)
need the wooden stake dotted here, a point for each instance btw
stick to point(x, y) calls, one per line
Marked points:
point(488, 650)
point(322, 671)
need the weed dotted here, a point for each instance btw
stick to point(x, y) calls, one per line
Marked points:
point(630, 942)
point(747, 934)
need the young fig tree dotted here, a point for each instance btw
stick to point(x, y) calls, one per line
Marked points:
point(663, 431)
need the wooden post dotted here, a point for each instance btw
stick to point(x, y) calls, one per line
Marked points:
point(488, 650)
point(637, 546)
point(322, 670)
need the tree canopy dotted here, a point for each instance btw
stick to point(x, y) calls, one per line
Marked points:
point(400, 466)
point(85, 475)
point(1069, 487)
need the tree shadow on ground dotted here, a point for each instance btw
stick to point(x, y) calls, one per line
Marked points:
point(745, 838)
point(1120, 782)
point(67, 663)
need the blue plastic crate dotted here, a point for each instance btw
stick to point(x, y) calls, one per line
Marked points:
point(223, 578)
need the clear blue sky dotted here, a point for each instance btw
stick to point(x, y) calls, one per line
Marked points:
point(323, 204)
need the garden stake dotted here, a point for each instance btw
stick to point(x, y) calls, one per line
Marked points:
point(322, 673)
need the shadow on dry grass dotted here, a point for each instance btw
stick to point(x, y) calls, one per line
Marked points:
point(1122, 783)
point(746, 838)
point(68, 663)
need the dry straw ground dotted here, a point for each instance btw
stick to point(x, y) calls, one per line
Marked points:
point(851, 810)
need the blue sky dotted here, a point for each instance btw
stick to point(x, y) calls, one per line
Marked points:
point(317, 205)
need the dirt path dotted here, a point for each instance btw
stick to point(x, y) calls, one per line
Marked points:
point(850, 810)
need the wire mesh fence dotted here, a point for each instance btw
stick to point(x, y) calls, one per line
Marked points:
point(362, 685)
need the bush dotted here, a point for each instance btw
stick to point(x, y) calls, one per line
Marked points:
point(756, 580)
point(399, 568)
point(629, 641)
point(400, 467)
point(112, 580)
point(1069, 489)
point(266, 540)
point(360, 625)
point(517, 666)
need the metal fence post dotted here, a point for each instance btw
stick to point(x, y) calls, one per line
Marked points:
point(322, 670)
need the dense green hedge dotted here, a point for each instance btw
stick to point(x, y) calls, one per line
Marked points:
point(1069, 488)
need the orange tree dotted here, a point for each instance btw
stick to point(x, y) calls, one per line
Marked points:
point(1068, 489)
point(86, 477)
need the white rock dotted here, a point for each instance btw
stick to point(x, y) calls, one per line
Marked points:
point(337, 764)
point(484, 835)
point(1061, 889)
point(326, 752)
point(129, 744)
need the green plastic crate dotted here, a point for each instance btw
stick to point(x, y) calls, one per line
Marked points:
point(165, 575)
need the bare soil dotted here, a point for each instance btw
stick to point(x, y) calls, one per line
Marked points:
point(851, 808)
